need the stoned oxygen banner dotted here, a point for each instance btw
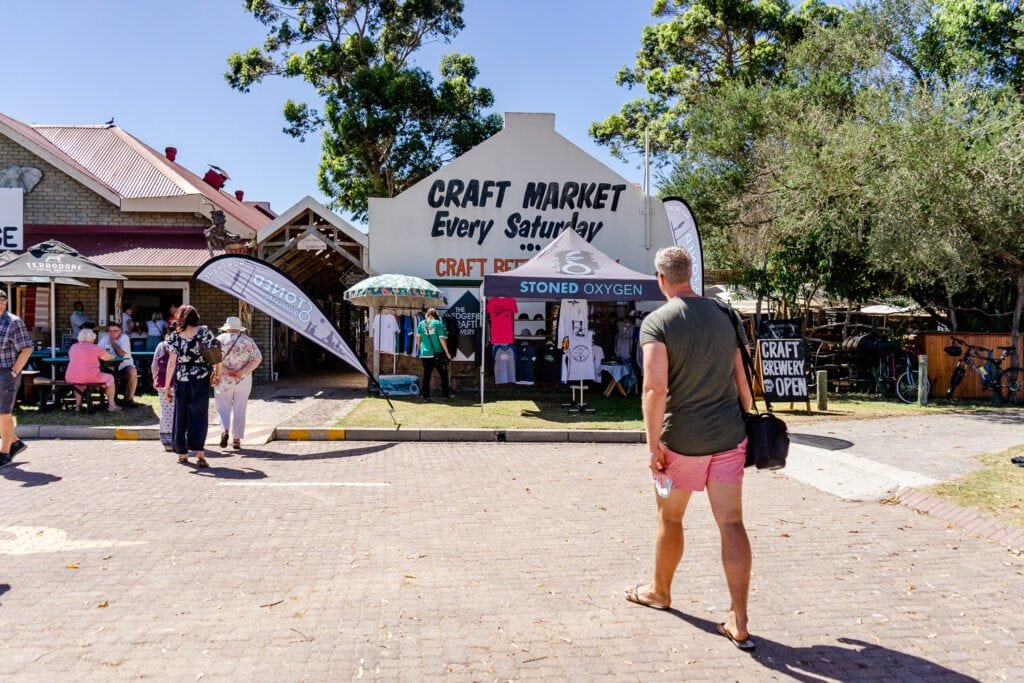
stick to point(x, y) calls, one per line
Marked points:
point(686, 235)
point(269, 290)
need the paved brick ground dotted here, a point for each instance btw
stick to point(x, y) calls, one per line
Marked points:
point(477, 562)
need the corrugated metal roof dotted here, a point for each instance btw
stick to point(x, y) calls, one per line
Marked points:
point(248, 215)
point(109, 155)
point(39, 139)
point(187, 251)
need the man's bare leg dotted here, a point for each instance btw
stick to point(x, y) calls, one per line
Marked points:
point(727, 506)
point(133, 381)
point(668, 547)
point(7, 437)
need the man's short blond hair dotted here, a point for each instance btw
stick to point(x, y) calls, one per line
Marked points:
point(675, 264)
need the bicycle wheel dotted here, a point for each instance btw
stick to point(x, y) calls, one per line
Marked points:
point(906, 387)
point(1010, 385)
point(954, 381)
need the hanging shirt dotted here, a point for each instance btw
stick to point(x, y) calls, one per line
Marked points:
point(384, 327)
point(624, 340)
point(549, 364)
point(575, 340)
point(526, 356)
point(598, 354)
point(504, 364)
point(503, 314)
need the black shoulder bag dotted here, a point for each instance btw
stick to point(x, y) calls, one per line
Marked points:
point(767, 435)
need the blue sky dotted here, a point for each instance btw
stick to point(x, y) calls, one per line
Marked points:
point(158, 68)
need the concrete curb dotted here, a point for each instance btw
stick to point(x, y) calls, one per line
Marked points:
point(449, 435)
point(88, 433)
point(352, 434)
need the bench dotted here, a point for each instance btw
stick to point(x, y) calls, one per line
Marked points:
point(58, 394)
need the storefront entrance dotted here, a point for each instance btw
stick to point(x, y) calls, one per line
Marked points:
point(324, 255)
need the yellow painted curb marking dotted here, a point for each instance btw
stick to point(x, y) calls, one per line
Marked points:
point(335, 434)
point(298, 434)
point(126, 435)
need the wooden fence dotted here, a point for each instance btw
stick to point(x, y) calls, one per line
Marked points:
point(940, 363)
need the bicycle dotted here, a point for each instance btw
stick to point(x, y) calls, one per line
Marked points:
point(899, 378)
point(1005, 385)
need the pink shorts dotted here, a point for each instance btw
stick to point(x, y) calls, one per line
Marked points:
point(693, 472)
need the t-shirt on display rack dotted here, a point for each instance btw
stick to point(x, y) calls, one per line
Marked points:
point(556, 298)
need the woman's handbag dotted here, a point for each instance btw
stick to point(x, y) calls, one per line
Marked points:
point(212, 353)
point(767, 435)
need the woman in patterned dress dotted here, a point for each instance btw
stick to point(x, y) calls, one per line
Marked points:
point(241, 358)
point(190, 389)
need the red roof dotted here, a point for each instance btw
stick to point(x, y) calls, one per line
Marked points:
point(118, 247)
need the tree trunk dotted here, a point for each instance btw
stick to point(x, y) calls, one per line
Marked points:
point(953, 326)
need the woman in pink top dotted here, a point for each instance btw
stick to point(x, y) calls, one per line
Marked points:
point(84, 368)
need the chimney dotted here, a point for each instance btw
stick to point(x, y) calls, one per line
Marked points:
point(215, 179)
point(239, 194)
point(171, 153)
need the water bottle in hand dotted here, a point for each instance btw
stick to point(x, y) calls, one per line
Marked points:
point(662, 484)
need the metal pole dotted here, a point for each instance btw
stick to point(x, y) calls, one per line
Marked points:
point(822, 383)
point(483, 343)
point(272, 378)
point(923, 385)
point(53, 329)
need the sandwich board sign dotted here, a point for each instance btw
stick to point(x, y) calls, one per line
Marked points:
point(783, 368)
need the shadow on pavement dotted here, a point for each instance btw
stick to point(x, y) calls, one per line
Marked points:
point(827, 443)
point(4, 587)
point(27, 478)
point(343, 453)
point(1004, 416)
point(230, 473)
point(811, 664)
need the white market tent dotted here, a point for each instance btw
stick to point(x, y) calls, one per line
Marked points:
point(568, 268)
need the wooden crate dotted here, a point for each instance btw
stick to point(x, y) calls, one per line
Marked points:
point(941, 364)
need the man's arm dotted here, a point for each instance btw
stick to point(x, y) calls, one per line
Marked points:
point(654, 398)
point(22, 360)
point(739, 376)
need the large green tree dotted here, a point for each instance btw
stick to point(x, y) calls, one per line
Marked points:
point(386, 123)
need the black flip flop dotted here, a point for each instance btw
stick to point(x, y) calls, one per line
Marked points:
point(634, 597)
point(747, 645)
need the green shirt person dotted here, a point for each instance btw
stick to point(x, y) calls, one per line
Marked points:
point(430, 339)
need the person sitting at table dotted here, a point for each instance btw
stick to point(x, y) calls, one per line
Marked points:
point(79, 318)
point(118, 344)
point(84, 368)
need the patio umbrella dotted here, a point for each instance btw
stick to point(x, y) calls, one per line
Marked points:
point(54, 261)
point(393, 291)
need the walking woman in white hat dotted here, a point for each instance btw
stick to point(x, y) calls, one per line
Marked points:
point(231, 393)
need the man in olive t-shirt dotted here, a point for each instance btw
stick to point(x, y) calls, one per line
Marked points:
point(695, 390)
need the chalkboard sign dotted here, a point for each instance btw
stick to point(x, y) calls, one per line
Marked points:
point(783, 370)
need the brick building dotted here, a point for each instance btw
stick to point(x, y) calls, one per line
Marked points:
point(139, 213)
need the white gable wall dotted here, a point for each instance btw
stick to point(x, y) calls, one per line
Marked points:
point(491, 209)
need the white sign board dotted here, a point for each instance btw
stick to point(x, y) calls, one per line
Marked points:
point(497, 206)
point(12, 219)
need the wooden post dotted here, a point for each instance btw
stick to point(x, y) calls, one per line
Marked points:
point(922, 380)
point(118, 304)
point(822, 390)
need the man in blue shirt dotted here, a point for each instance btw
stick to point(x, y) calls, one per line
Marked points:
point(15, 349)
